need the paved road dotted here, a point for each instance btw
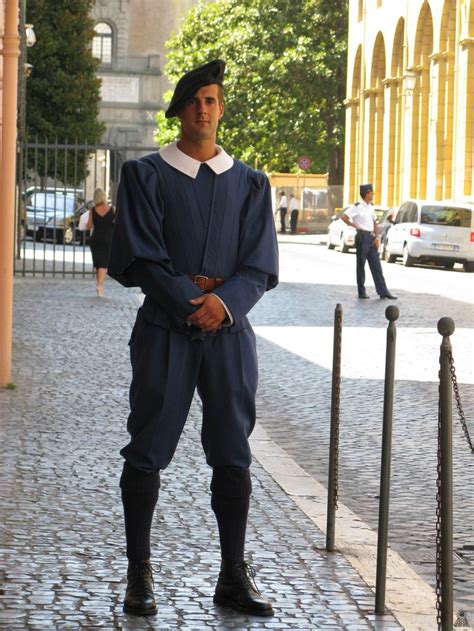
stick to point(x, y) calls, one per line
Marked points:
point(62, 561)
point(72, 367)
point(294, 325)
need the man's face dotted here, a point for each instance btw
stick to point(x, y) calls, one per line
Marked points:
point(369, 197)
point(201, 114)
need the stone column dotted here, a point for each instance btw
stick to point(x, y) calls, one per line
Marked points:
point(389, 137)
point(407, 138)
point(10, 53)
point(369, 138)
point(351, 170)
point(464, 139)
point(432, 183)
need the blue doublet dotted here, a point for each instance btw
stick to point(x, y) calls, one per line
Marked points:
point(170, 225)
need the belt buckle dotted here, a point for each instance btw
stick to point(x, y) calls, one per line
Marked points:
point(197, 279)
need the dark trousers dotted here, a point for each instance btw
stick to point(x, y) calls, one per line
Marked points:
point(293, 221)
point(366, 251)
point(168, 366)
point(282, 219)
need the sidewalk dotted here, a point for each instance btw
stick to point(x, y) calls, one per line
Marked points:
point(62, 562)
point(305, 239)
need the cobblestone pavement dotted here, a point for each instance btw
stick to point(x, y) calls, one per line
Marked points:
point(61, 540)
point(295, 397)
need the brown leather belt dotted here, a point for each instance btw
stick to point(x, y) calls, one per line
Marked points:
point(206, 283)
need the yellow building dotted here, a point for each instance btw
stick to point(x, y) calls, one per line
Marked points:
point(410, 100)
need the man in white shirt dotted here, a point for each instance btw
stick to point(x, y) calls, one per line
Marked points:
point(293, 214)
point(361, 216)
point(282, 207)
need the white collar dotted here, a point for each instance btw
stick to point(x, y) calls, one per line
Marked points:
point(189, 166)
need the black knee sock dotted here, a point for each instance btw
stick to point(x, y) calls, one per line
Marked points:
point(231, 489)
point(139, 497)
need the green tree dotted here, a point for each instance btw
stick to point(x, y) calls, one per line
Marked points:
point(285, 79)
point(63, 93)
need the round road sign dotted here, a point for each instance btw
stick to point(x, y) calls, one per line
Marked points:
point(304, 162)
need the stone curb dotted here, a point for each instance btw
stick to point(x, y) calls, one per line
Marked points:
point(410, 599)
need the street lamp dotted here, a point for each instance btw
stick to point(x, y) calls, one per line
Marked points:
point(28, 39)
point(30, 36)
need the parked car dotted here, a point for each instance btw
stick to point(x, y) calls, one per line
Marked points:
point(52, 216)
point(77, 192)
point(383, 226)
point(432, 232)
point(341, 235)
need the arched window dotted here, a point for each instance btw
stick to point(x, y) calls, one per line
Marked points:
point(376, 103)
point(102, 42)
point(395, 166)
point(420, 158)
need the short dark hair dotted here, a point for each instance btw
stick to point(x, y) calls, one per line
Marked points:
point(220, 93)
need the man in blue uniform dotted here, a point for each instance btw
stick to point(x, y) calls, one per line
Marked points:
point(361, 216)
point(195, 231)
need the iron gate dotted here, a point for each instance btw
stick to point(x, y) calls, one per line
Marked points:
point(55, 185)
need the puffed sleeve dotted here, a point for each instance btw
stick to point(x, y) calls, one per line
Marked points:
point(257, 269)
point(138, 256)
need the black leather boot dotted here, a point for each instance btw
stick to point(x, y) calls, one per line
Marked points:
point(236, 589)
point(139, 598)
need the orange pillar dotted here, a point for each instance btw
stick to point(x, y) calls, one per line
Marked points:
point(10, 53)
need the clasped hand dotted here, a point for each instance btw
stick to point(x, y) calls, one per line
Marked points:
point(211, 314)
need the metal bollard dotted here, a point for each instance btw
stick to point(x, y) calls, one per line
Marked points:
point(334, 434)
point(444, 525)
point(392, 314)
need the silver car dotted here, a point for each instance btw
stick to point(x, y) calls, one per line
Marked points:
point(341, 235)
point(432, 232)
point(51, 216)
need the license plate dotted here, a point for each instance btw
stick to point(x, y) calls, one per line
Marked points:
point(445, 246)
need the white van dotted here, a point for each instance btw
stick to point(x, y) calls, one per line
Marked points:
point(432, 232)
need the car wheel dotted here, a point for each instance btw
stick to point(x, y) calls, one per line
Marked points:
point(448, 265)
point(330, 245)
point(469, 266)
point(68, 235)
point(390, 258)
point(407, 259)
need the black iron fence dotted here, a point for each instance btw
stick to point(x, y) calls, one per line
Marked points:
point(55, 186)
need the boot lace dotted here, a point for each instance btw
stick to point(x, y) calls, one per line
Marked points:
point(137, 569)
point(247, 573)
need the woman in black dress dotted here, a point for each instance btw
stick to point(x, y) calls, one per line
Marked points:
point(101, 222)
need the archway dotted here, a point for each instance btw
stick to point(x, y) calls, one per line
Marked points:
point(469, 155)
point(421, 102)
point(445, 118)
point(354, 137)
point(376, 115)
point(396, 113)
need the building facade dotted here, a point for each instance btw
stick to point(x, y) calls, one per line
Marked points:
point(410, 100)
point(130, 37)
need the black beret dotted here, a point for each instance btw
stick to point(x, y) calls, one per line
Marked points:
point(192, 81)
point(365, 188)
